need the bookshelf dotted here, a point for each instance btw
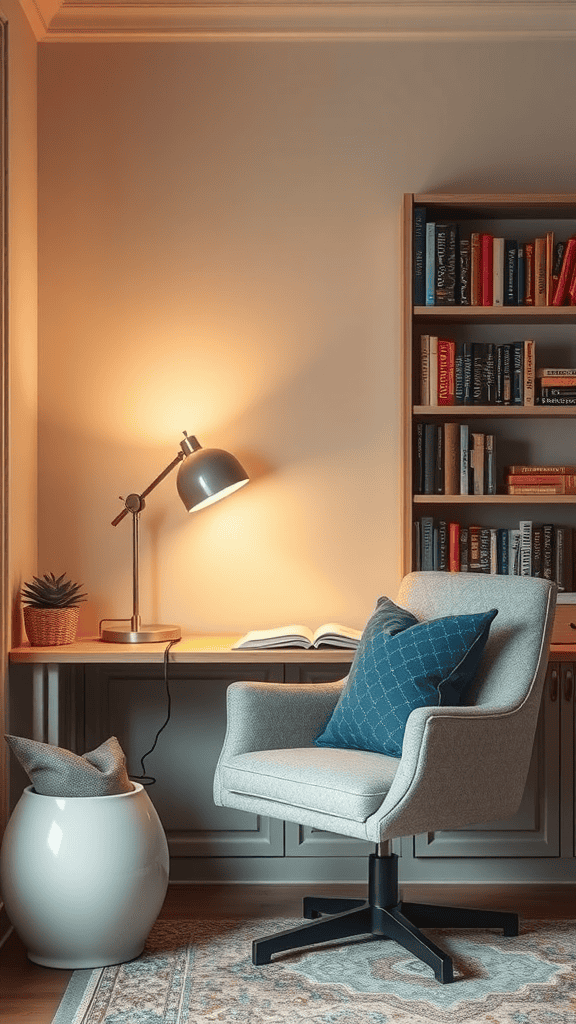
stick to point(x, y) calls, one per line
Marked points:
point(524, 434)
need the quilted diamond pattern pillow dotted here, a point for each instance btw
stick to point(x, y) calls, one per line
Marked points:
point(422, 665)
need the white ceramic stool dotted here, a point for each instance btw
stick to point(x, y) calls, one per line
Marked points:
point(83, 878)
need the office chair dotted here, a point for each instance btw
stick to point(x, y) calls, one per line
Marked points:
point(459, 764)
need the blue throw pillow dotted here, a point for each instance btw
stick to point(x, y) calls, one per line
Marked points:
point(423, 665)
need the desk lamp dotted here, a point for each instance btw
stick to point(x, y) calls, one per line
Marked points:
point(205, 475)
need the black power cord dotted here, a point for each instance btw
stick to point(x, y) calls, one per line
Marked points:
point(149, 780)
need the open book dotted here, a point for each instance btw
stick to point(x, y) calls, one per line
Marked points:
point(329, 635)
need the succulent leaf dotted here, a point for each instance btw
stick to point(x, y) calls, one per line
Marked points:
point(52, 592)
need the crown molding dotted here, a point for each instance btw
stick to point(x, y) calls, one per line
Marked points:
point(119, 20)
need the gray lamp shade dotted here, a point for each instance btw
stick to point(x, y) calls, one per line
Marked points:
point(208, 474)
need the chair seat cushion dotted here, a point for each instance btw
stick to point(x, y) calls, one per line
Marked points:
point(349, 784)
point(423, 665)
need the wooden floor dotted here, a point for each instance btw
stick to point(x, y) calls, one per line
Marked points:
point(30, 994)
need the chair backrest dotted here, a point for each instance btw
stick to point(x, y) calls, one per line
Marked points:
point(514, 662)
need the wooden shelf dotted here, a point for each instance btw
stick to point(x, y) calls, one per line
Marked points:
point(496, 314)
point(494, 499)
point(465, 411)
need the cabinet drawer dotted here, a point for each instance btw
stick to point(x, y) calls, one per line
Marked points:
point(564, 631)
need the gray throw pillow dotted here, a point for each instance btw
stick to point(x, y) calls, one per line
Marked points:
point(55, 771)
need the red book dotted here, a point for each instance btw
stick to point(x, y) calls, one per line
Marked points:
point(487, 263)
point(562, 288)
point(446, 378)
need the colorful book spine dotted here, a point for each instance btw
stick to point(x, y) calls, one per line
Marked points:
point(446, 371)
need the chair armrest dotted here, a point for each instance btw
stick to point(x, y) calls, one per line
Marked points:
point(459, 766)
point(273, 716)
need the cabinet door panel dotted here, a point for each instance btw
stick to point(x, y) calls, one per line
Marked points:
point(534, 831)
point(131, 703)
point(304, 841)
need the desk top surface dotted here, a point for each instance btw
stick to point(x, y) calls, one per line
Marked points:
point(198, 648)
point(213, 647)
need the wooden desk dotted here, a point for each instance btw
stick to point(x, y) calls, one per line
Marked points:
point(47, 664)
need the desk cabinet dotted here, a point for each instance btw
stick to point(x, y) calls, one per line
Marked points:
point(128, 699)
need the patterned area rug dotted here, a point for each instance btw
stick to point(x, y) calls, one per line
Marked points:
point(201, 971)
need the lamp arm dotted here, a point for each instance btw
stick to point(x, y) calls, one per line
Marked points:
point(159, 478)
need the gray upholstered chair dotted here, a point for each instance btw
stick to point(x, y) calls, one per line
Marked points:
point(459, 765)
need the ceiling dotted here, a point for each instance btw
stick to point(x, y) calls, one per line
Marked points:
point(77, 20)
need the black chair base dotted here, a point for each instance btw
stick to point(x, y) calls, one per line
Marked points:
point(383, 917)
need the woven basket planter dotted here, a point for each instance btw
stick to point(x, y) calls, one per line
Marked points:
point(48, 627)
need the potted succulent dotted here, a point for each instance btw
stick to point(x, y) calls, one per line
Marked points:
point(51, 609)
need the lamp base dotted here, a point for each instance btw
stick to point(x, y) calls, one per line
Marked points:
point(147, 634)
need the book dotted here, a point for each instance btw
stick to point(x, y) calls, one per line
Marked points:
point(451, 458)
point(477, 462)
point(529, 372)
point(566, 271)
point(454, 547)
point(464, 459)
point(498, 272)
point(517, 372)
point(487, 268)
point(529, 287)
point(464, 272)
point(475, 269)
point(445, 279)
point(549, 267)
point(556, 371)
point(446, 366)
point(563, 558)
point(521, 273)
point(430, 271)
point(427, 543)
point(433, 369)
point(556, 483)
point(559, 250)
point(540, 272)
point(555, 381)
point(490, 464)
point(331, 634)
point(419, 284)
point(424, 369)
point(526, 547)
point(510, 272)
point(531, 470)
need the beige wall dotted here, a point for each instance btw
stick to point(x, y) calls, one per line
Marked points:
point(219, 252)
point(22, 328)
point(23, 302)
